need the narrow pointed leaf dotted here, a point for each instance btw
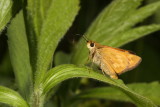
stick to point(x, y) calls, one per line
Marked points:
point(5, 13)
point(133, 34)
point(128, 22)
point(11, 97)
point(63, 72)
point(112, 18)
point(19, 54)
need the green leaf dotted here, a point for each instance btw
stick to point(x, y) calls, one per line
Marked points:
point(35, 15)
point(37, 11)
point(63, 72)
point(5, 13)
point(116, 22)
point(150, 90)
point(59, 18)
point(19, 54)
point(11, 98)
point(133, 34)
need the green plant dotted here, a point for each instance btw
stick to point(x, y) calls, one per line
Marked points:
point(35, 32)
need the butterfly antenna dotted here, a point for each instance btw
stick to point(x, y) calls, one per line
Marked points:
point(85, 38)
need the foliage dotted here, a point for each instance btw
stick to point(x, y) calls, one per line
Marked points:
point(5, 13)
point(146, 89)
point(37, 29)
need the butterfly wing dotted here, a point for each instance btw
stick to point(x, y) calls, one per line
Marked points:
point(118, 60)
point(133, 60)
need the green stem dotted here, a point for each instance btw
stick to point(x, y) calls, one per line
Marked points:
point(37, 99)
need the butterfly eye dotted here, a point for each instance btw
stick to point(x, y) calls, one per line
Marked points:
point(92, 44)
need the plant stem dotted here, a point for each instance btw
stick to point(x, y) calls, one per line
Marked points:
point(37, 99)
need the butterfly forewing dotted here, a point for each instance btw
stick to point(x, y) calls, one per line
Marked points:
point(133, 60)
point(118, 60)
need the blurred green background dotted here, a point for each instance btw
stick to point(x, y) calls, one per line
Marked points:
point(147, 47)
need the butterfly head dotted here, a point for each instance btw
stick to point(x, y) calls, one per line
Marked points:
point(90, 45)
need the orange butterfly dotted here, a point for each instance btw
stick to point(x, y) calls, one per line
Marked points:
point(112, 61)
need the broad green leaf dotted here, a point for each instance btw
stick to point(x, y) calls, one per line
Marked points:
point(34, 17)
point(37, 12)
point(11, 97)
point(59, 18)
point(63, 72)
point(5, 13)
point(150, 90)
point(19, 54)
point(116, 22)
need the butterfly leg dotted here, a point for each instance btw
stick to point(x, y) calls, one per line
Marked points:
point(88, 59)
point(91, 65)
